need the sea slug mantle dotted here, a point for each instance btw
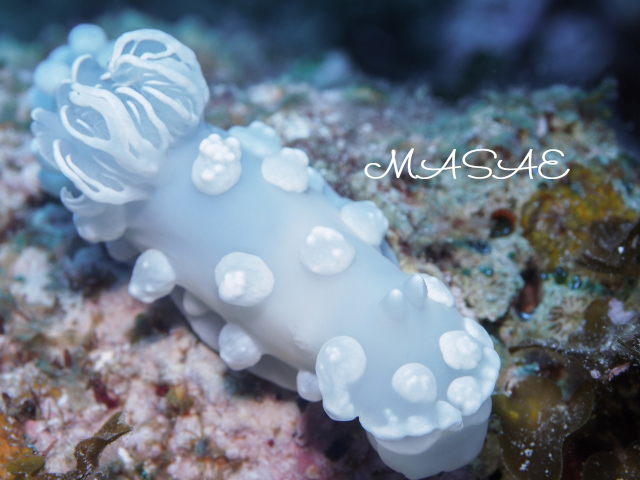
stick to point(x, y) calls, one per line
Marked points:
point(271, 268)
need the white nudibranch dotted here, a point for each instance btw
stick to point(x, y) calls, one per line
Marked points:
point(287, 169)
point(243, 279)
point(415, 382)
point(237, 348)
point(393, 304)
point(269, 265)
point(217, 167)
point(366, 220)
point(460, 350)
point(153, 276)
point(326, 252)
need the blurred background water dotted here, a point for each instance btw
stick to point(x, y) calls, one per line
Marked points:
point(458, 46)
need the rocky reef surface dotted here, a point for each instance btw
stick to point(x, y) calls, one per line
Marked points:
point(550, 267)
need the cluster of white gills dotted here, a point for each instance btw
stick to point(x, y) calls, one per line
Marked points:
point(270, 266)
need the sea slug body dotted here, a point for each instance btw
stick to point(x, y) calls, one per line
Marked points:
point(271, 267)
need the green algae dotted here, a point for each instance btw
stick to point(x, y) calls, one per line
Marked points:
point(27, 465)
point(179, 402)
point(12, 446)
point(87, 453)
point(623, 465)
point(596, 323)
point(558, 220)
point(550, 399)
point(614, 248)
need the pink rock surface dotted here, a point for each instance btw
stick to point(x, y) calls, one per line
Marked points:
point(191, 418)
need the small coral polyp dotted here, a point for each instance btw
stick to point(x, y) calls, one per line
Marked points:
point(271, 267)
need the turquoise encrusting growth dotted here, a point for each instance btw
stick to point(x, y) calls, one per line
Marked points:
point(270, 266)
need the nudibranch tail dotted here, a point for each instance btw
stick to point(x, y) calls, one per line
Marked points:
point(268, 264)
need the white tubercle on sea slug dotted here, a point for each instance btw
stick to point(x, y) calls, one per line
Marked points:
point(269, 265)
